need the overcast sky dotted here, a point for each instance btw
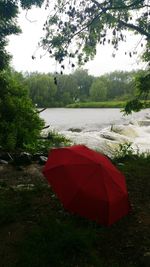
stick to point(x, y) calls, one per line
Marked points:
point(23, 46)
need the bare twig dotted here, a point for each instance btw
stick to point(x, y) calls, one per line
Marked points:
point(47, 126)
point(26, 16)
point(39, 111)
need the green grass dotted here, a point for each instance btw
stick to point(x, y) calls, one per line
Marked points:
point(106, 104)
point(35, 230)
point(109, 104)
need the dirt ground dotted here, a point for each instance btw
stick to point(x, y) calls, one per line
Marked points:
point(127, 242)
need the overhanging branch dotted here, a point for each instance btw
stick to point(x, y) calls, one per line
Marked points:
point(136, 28)
point(111, 7)
point(121, 22)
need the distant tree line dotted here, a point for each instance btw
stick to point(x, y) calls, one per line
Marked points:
point(49, 90)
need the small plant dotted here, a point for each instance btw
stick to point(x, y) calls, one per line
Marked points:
point(58, 139)
point(124, 150)
point(43, 145)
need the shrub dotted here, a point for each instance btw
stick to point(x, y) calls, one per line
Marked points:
point(20, 124)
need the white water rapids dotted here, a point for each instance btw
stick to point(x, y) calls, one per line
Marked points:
point(102, 129)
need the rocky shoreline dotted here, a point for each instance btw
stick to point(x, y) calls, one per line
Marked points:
point(22, 171)
point(21, 177)
point(22, 158)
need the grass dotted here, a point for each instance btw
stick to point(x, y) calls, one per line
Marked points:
point(35, 230)
point(106, 104)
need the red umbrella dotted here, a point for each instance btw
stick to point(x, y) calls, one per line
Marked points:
point(87, 183)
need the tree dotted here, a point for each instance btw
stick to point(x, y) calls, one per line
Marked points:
point(142, 85)
point(67, 89)
point(84, 81)
point(76, 27)
point(20, 124)
point(119, 84)
point(42, 89)
point(98, 90)
point(8, 13)
point(9, 10)
point(88, 23)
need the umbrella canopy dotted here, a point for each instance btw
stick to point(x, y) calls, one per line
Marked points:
point(87, 183)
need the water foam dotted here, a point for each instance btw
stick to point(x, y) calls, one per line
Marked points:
point(108, 139)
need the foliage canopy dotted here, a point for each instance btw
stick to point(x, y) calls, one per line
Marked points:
point(76, 27)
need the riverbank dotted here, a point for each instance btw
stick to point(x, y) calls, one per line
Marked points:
point(36, 231)
point(106, 104)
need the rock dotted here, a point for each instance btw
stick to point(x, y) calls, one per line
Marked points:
point(3, 161)
point(144, 123)
point(112, 136)
point(146, 259)
point(23, 158)
point(147, 116)
point(121, 164)
point(42, 160)
point(125, 130)
point(76, 130)
point(6, 156)
point(36, 156)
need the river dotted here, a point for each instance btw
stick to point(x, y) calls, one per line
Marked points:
point(101, 129)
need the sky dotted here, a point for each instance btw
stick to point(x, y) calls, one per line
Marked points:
point(23, 46)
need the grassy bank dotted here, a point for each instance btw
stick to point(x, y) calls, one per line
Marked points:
point(36, 231)
point(106, 104)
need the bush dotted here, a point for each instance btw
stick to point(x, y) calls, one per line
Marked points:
point(20, 124)
point(53, 140)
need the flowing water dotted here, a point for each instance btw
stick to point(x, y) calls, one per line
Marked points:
point(101, 129)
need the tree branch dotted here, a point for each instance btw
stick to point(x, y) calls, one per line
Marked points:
point(136, 28)
point(39, 111)
point(123, 23)
point(90, 23)
point(26, 16)
point(111, 7)
point(46, 127)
